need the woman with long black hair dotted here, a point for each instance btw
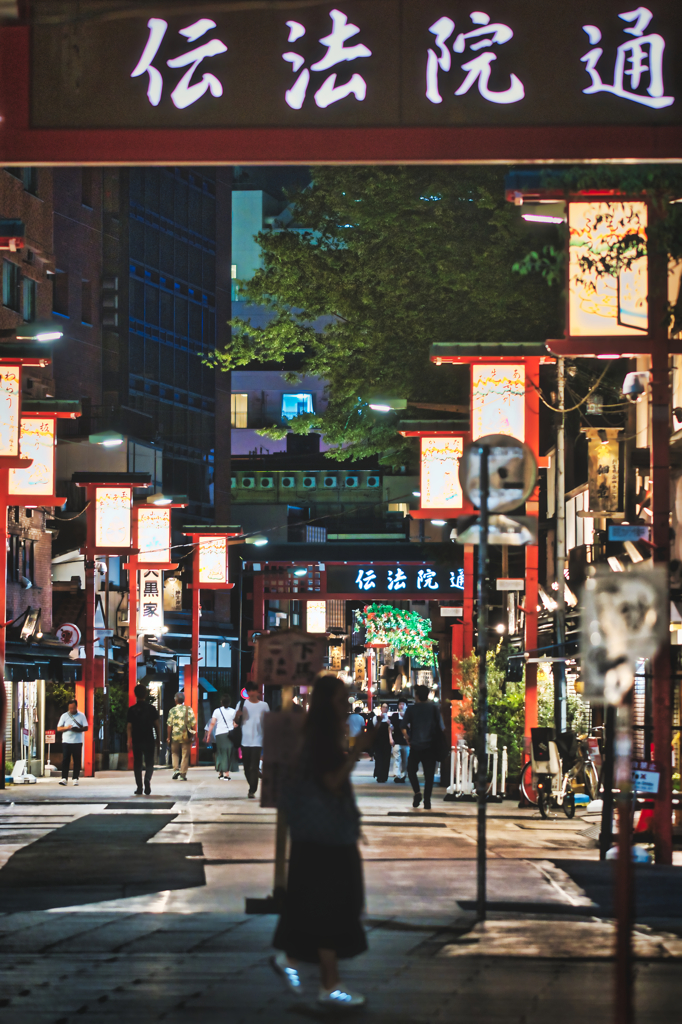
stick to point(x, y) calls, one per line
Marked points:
point(320, 922)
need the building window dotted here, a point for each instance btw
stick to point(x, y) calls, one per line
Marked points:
point(60, 293)
point(296, 405)
point(240, 410)
point(29, 176)
point(11, 278)
point(86, 302)
point(29, 300)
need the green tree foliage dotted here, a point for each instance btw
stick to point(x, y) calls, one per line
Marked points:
point(506, 706)
point(397, 258)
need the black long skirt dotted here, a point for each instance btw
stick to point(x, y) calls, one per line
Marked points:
point(323, 904)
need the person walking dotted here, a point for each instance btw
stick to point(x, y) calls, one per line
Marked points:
point(72, 725)
point(221, 726)
point(250, 717)
point(401, 747)
point(383, 742)
point(144, 735)
point(423, 728)
point(182, 728)
point(356, 724)
point(320, 921)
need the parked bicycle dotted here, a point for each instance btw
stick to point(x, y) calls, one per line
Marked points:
point(583, 772)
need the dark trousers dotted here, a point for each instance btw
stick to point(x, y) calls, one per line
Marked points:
point(251, 758)
point(428, 762)
point(146, 751)
point(71, 751)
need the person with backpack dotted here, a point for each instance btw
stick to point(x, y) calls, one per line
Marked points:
point(182, 730)
point(423, 729)
point(223, 728)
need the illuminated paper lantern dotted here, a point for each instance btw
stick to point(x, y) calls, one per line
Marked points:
point(153, 534)
point(606, 304)
point(316, 616)
point(10, 378)
point(440, 486)
point(112, 517)
point(212, 560)
point(498, 399)
point(37, 442)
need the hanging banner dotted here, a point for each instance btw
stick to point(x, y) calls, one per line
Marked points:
point(212, 560)
point(440, 486)
point(9, 402)
point(498, 399)
point(37, 442)
point(153, 534)
point(603, 470)
point(112, 517)
point(150, 602)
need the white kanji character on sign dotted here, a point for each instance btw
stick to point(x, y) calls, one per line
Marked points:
point(479, 68)
point(396, 580)
point(183, 94)
point(457, 579)
point(366, 579)
point(337, 52)
point(426, 580)
point(639, 59)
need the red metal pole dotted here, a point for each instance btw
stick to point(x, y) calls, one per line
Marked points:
point(468, 609)
point(132, 637)
point(86, 703)
point(3, 634)
point(660, 485)
point(193, 696)
point(369, 680)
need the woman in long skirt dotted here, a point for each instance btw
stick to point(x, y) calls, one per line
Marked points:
point(383, 743)
point(320, 922)
point(220, 726)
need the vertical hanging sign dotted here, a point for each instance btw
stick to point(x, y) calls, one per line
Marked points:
point(153, 534)
point(150, 602)
point(37, 442)
point(9, 404)
point(440, 486)
point(603, 470)
point(112, 517)
point(212, 560)
point(498, 399)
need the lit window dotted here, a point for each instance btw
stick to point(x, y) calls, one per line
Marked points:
point(316, 616)
point(296, 405)
point(240, 410)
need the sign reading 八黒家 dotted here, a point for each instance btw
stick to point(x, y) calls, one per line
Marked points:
point(150, 603)
point(362, 62)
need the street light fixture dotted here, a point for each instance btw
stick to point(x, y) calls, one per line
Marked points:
point(258, 539)
point(388, 404)
point(107, 438)
point(39, 330)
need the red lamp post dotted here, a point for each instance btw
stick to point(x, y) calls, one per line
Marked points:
point(210, 571)
point(14, 355)
point(109, 532)
point(152, 541)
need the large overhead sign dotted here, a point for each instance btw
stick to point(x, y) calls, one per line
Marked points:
point(395, 580)
point(361, 63)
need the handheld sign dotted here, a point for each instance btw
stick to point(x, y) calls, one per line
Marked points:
point(289, 658)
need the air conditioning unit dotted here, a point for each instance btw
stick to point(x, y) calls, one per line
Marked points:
point(351, 481)
point(374, 481)
point(267, 482)
point(248, 481)
point(234, 482)
point(309, 483)
point(330, 481)
point(288, 482)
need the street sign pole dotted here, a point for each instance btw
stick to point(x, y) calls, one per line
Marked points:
point(482, 774)
point(624, 890)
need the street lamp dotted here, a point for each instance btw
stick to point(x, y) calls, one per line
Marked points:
point(107, 438)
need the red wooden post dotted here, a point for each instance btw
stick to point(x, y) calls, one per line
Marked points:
point(193, 696)
point(468, 609)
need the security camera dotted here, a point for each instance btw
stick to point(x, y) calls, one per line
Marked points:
point(634, 385)
point(24, 583)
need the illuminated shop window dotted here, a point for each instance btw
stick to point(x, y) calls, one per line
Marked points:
point(296, 405)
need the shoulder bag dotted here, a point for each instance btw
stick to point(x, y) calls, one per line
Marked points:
point(235, 733)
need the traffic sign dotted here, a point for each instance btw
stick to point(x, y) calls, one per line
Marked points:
point(625, 618)
point(512, 472)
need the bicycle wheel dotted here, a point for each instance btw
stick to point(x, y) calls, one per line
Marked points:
point(569, 805)
point(527, 790)
point(543, 804)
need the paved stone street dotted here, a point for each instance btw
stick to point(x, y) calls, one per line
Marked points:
point(135, 908)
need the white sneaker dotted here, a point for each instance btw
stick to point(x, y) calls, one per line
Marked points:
point(292, 979)
point(75, 782)
point(62, 782)
point(340, 996)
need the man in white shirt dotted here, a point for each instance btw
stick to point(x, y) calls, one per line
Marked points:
point(220, 726)
point(72, 725)
point(250, 717)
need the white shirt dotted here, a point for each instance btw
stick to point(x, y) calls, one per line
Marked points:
point(71, 736)
point(252, 723)
point(224, 720)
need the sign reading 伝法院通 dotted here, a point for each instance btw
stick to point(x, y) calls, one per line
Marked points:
point(374, 579)
point(363, 63)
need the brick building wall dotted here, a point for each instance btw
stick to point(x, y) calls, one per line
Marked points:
point(30, 556)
